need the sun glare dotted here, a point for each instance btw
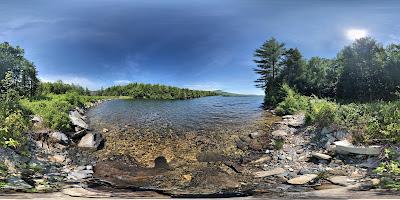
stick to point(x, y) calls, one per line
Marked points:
point(354, 34)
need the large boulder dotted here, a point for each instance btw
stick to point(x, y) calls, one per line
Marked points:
point(77, 119)
point(58, 137)
point(91, 141)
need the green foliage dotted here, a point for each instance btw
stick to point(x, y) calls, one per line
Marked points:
point(23, 72)
point(292, 103)
point(150, 91)
point(390, 169)
point(362, 72)
point(278, 143)
point(13, 120)
point(54, 109)
point(59, 87)
point(370, 122)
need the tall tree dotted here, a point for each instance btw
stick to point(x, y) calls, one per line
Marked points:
point(292, 65)
point(268, 59)
point(363, 75)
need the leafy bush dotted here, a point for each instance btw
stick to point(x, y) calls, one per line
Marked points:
point(321, 112)
point(371, 122)
point(292, 103)
point(54, 109)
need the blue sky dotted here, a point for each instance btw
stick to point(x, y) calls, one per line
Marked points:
point(200, 44)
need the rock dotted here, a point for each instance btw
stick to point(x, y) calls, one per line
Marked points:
point(327, 187)
point(59, 137)
point(279, 134)
point(302, 179)
point(78, 134)
point(341, 135)
point(37, 119)
point(262, 159)
point(345, 147)
point(375, 181)
point(77, 120)
point(326, 130)
point(80, 174)
point(105, 130)
point(57, 158)
point(81, 192)
point(16, 183)
point(187, 177)
point(272, 172)
point(340, 180)
point(294, 120)
point(80, 110)
point(90, 141)
point(321, 156)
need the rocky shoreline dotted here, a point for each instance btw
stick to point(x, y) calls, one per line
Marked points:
point(284, 159)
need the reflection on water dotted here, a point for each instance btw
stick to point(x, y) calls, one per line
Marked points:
point(195, 115)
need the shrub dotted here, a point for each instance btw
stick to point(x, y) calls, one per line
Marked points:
point(292, 102)
point(320, 112)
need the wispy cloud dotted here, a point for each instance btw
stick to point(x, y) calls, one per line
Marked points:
point(122, 82)
point(72, 79)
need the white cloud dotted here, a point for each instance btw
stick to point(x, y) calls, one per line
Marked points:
point(122, 82)
point(82, 81)
point(204, 86)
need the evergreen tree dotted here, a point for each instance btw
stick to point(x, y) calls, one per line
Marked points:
point(269, 61)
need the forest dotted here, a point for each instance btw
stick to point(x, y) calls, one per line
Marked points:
point(153, 91)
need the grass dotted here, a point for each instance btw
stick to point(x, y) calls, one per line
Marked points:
point(54, 109)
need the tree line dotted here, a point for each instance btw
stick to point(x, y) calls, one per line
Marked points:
point(363, 71)
point(153, 91)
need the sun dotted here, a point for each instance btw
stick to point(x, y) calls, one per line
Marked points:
point(354, 34)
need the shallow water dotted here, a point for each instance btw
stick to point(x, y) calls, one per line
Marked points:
point(207, 114)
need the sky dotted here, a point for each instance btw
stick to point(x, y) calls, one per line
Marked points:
point(197, 44)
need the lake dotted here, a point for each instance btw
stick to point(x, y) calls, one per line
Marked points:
point(201, 115)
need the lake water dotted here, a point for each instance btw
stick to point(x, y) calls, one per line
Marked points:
point(198, 115)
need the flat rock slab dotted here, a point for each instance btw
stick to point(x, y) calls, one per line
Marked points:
point(82, 192)
point(262, 160)
point(272, 172)
point(321, 156)
point(340, 180)
point(302, 179)
point(345, 146)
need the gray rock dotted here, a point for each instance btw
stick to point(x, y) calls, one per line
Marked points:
point(272, 172)
point(80, 174)
point(302, 179)
point(294, 120)
point(340, 180)
point(16, 183)
point(82, 192)
point(321, 156)
point(77, 120)
point(91, 141)
point(279, 134)
point(59, 137)
point(341, 135)
point(78, 134)
point(345, 147)
point(262, 159)
point(37, 119)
